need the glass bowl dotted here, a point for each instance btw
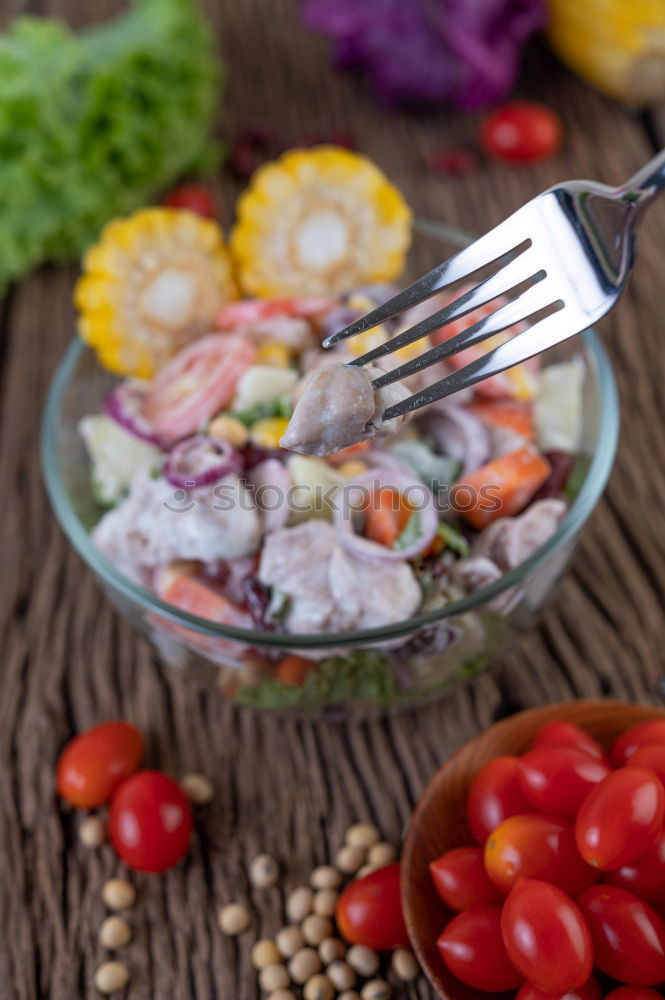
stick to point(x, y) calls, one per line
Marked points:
point(403, 664)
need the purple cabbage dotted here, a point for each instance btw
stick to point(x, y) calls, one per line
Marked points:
point(462, 52)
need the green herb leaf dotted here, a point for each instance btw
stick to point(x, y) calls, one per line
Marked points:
point(411, 532)
point(280, 407)
point(453, 538)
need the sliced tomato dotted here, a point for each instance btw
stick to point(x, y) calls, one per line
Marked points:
point(248, 311)
point(197, 383)
point(195, 198)
point(506, 414)
point(515, 383)
point(501, 488)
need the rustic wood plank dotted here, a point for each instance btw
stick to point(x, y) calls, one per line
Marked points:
point(287, 786)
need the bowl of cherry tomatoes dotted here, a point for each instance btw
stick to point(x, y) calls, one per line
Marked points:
point(534, 864)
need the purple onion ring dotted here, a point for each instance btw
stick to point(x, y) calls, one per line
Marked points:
point(365, 548)
point(200, 460)
point(460, 435)
point(124, 404)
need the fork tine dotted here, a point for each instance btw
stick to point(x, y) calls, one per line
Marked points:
point(538, 338)
point(503, 281)
point(518, 310)
point(493, 248)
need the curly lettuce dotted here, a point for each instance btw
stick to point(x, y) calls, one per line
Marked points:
point(93, 125)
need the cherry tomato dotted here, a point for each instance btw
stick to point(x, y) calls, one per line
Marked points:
point(541, 847)
point(521, 132)
point(195, 198)
point(628, 936)
point(633, 993)
point(646, 875)
point(197, 383)
point(150, 822)
point(93, 764)
point(621, 818)
point(558, 779)
point(641, 735)
point(495, 795)
point(461, 881)
point(590, 991)
point(651, 758)
point(560, 733)
point(546, 937)
point(473, 951)
point(369, 911)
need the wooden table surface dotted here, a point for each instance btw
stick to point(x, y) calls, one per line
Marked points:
point(291, 787)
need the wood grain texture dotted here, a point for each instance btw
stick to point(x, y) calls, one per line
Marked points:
point(439, 823)
point(289, 787)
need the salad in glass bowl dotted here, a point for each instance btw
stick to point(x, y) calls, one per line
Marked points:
point(233, 484)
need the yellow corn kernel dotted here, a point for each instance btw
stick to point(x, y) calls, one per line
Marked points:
point(273, 353)
point(523, 383)
point(352, 468)
point(229, 429)
point(367, 341)
point(266, 433)
point(319, 221)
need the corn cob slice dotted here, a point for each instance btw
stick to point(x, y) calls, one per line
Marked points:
point(152, 283)
point(618, 45)
point(319, 221)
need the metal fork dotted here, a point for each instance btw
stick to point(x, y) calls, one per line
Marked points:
point(562, 260)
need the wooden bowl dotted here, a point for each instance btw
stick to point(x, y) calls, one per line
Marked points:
point(439, 822)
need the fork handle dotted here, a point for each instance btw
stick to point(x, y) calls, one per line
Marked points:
point(646, 183)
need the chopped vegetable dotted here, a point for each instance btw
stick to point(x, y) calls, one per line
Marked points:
point(280, 407)
point(152, 283)
point(454, 539)
point(293, 670)
point(268, 432)
point(434, 470)
point(558, 408)
point(261, 384)
point(314, 480)
point(94, 124)
point(387, 517)
point(501, 488)
point(319, 221)
point(507, 414)
point(115, 455)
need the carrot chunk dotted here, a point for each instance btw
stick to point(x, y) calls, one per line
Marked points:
point(501, 488)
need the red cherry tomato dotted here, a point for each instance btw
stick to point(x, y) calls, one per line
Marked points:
point(641, 735)
point(197, 383)
point(633, 993)
point(646, 875)
point(461, 881)
point(558, 779)
point(369, 911)
point(621, 818)
point(541, 847)
point(628, 936)
point(194, 198)
point(473, 951)
point(546, 937)
point(150, 822)
point(521, 132)
point(94, 763)
point(566, 734)
point(651, 758)
point(495, 795)
point(590, 991)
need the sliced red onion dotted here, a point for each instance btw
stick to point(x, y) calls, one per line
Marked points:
point(271, 482)
point(461, 435)
point(412, 488)
point(200, 460)
point(124, 404)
